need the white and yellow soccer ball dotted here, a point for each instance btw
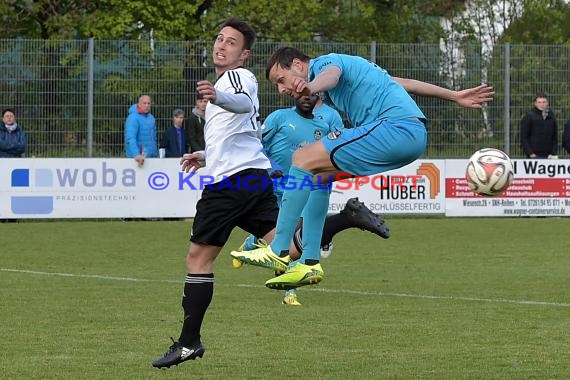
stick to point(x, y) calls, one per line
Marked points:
point(489, 172)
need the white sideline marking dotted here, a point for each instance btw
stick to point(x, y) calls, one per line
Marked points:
point(97, 276)
point(322, 290)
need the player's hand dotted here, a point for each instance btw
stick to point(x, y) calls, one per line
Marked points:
point(140, 160)
point(300, 88)
point(206, 90)
point(475, 97)
point(192, 161)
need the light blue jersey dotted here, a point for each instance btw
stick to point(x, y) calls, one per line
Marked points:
point(365, 91)
point(284, 131)
point(389, 130)
point(329, 115)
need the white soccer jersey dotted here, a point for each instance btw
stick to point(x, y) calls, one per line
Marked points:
point(232, 141)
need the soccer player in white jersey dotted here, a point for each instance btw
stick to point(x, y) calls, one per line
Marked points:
point(234, 155)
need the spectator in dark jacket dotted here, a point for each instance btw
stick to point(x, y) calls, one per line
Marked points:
point(539, 131)
point(196, 122)
point(566, 136)
point(174, 139)
point(13, 141)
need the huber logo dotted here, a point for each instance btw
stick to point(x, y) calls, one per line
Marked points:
point(31, 204)
point(432, 173)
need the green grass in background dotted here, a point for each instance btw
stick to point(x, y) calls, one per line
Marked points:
point(442, 299)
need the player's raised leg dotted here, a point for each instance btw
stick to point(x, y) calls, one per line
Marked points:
point(307, 270)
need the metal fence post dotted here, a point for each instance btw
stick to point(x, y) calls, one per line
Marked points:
point(373, 51)
point(90, 62)
point(507, 104)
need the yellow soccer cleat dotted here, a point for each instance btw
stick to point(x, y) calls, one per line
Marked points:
point(250, 243)
point(262, 257)
point(291, 298)
point(296, 276)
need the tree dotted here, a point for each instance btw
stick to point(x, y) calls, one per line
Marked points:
point(104, 19)
point(332, 20)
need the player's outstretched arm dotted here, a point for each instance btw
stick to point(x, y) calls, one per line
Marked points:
point(474, 97)
point(470, 98)
point(322, 82)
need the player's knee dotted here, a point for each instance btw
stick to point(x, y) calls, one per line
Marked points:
point(198, 260)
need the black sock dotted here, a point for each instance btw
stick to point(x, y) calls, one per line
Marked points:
point(198, 292)
point(333, 225)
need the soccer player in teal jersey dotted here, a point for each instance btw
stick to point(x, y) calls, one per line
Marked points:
point(286, 130)
point(388, 132)
point(283, 132)
point(328, 114)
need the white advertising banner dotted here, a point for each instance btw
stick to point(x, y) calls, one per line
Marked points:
point(540, 188)
point(118, 188)
point(417, 188)
point(95, 188)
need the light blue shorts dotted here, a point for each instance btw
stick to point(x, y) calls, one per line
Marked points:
point(377, 147)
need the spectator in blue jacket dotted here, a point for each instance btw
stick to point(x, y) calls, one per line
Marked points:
point(140, 131)
point(174, 139)
point(13, 141)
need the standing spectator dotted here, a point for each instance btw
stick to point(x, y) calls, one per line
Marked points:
point(196, 123)
point(140, 131)
point(12, 137)
point(539, 131)
point(566, 136)
point(174, 139)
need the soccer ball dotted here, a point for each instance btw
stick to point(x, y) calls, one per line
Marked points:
point(489, 172)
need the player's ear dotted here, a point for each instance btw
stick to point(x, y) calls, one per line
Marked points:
point(297, 64)
point(245, 54)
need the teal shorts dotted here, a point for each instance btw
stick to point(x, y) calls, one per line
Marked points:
point(377, 147)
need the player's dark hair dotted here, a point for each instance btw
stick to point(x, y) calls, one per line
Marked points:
point(540, 94)
point(244, 28)
point(284, 58)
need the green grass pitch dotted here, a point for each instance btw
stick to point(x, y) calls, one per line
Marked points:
point(442, 299)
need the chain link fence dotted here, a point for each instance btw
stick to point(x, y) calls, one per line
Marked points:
point(72, 97)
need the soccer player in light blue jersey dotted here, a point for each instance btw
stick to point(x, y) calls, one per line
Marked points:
point(388, 132)
point(283, 132)
point(328, 114)
point(286, 130)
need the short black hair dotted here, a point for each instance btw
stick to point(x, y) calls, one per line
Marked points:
point(8, 110)
point(540, 94)
point(244, 28)
point(284, 58)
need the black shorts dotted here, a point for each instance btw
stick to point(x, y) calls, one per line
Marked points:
point(244, 200)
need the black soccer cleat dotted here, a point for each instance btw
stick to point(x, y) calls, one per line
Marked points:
point(361, 216)
point(177, 354)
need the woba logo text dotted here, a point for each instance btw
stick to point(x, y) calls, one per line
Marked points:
point(46, 180)
point(92, 177)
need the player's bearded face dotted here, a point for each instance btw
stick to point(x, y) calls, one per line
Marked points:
point(228, 49)
point(286, 79)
